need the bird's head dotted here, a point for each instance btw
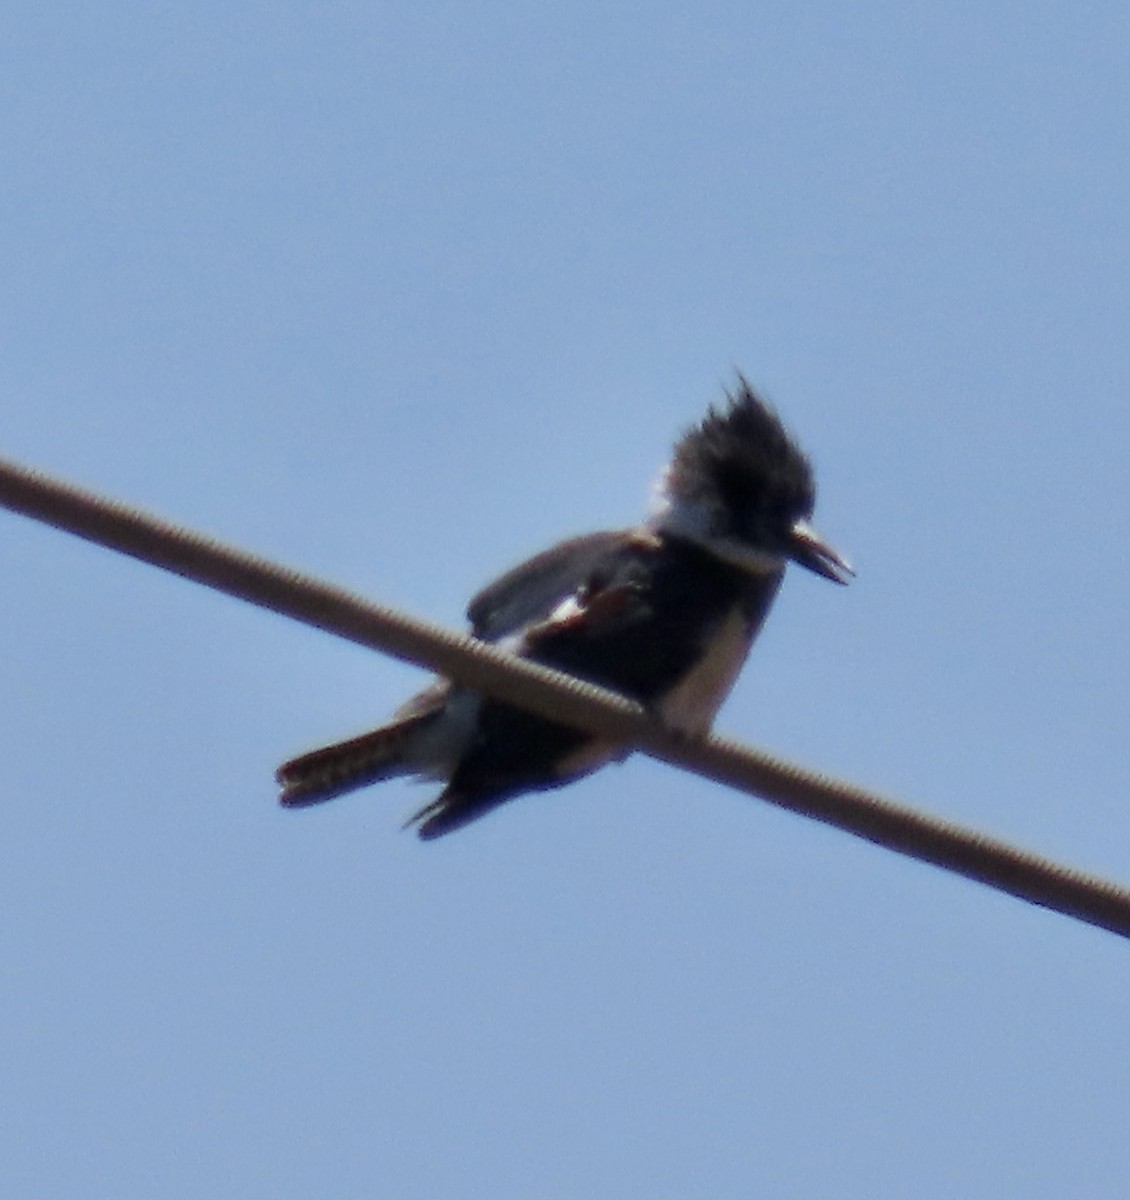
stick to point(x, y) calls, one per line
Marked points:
point(740, 487)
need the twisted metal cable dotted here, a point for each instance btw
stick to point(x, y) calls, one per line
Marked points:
point(563, 698)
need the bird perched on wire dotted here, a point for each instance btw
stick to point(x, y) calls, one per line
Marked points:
point(663, 613)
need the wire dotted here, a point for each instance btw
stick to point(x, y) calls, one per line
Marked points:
point(565, 699)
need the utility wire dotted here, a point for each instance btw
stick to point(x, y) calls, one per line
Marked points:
point(563, 698)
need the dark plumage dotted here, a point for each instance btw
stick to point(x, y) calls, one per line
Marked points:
point(744, 453)
point(663, 613)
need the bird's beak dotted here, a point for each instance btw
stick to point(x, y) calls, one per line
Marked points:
point(809, 549)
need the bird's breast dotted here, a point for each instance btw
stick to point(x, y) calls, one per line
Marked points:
point(693, 702)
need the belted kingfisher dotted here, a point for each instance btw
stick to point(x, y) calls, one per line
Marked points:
point(663, 613)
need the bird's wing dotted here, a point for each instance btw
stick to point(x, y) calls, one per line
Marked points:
point(533, 592)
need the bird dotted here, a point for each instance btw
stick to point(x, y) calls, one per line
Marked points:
point(663, 613)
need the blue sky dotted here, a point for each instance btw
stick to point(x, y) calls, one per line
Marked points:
point(400, 294)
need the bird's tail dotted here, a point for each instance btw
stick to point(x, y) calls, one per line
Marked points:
point(333, 770)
